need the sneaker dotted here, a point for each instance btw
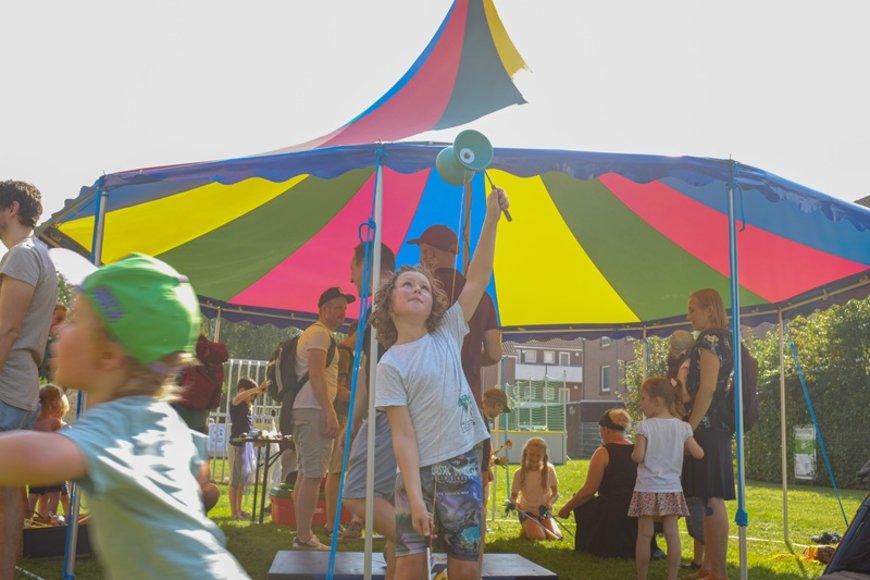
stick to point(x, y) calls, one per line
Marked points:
point(353, 531)
point(311, 543)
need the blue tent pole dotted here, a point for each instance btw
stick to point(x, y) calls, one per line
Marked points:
point(741, 517)
point(72, 530)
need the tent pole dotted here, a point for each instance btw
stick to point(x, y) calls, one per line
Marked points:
point(645, 354)
point(373, 362)
point(72, 531)
point(741, 517)
point(217, 326)
point(782, 429)
point(466, 228)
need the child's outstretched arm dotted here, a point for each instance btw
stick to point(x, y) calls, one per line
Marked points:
point(694, 449)
point(480, 269)
point(405, 448)
point(30, 457)
point(639, 452)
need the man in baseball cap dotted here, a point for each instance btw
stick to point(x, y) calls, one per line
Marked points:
point(440, 238)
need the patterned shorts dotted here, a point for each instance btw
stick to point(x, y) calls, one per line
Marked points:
point(455, 489)
point(645, 503)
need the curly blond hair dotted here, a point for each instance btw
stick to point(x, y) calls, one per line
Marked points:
point(382, 318)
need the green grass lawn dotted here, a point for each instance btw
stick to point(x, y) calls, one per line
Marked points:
point(811, 510)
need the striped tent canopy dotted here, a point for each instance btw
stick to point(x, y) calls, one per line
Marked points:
point(600, 243)
point(464, 73)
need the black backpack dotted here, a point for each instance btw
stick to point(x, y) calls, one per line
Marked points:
point(283, 384)
point(749, 390)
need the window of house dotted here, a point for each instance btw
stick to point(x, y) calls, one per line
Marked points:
point(530, 356)
point(605, 342)
point(605, 379)
point(564, 359)
point(549, 357)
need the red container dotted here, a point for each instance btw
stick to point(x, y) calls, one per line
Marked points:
point(283, 513)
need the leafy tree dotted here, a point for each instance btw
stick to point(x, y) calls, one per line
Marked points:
point(64, 290)
point(245, 340)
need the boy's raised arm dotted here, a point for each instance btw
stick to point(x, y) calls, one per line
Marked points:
point(480, 269)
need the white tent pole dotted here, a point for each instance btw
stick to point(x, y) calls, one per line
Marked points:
point(372, 376)
point(217, 326)
point(741, 516)
point(783, 429)
point(645, 354)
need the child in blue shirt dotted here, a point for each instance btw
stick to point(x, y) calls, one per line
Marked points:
point(133, 327)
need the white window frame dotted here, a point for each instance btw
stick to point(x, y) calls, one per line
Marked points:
point(549, 357)
point(605, 341)
point(605, 385)
point(530, 356)
point(564, 359)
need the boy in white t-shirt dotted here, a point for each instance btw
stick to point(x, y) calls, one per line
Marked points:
point(437, 428)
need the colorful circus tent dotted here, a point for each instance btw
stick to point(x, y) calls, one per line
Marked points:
point(600, 244)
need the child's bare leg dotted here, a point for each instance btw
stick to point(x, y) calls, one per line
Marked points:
point(32, 499)
point(641, 549)
point(412, 567)
point(64, 501)
point(42, 508)
point(533, 529)
point(51, 501)
point(672, 537)
point(554, 534)
point(236, 500)
point(463, 569)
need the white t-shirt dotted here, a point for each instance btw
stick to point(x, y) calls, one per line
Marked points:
point(663, 462)
point(426, 377)
point(316, 337)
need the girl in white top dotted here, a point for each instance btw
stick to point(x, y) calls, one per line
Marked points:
point(661, 442)
point(437, 428)
point(534, 490)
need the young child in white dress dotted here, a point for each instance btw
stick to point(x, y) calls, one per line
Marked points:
point(661, 442)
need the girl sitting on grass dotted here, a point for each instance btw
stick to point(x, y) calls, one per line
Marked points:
point(534, 489)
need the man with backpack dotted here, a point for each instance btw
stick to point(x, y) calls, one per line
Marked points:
point(315, 423)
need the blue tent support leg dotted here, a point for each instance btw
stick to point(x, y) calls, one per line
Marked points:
point(819, 438)
point(741, 517)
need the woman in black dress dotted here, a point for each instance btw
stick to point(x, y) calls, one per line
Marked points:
point(711, 479)
point(603, 525)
